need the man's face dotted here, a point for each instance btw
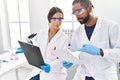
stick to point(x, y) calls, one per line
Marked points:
point(81, 13)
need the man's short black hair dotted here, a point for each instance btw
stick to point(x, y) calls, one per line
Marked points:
point(83, 2)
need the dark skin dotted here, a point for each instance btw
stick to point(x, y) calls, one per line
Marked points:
point(85, 17)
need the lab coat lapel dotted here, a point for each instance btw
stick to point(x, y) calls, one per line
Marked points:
point(95, 32)
point(84, 35)
point(56, 37)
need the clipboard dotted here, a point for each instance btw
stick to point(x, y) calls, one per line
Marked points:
point(32, 53)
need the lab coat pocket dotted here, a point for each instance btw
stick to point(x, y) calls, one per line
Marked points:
point(52, 56)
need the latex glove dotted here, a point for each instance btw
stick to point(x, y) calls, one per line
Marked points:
point(67, 64)
point(90, 49)
point(19, 50)
point(45, 67)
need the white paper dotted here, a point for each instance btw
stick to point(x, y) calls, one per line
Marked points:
point(68, 56)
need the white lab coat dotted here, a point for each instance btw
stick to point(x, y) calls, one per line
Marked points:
point(59, 41)
point(106, 35)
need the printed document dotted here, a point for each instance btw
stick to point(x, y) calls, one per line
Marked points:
point(68, 56)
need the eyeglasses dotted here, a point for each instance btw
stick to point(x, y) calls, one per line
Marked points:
point(80, 10)
point(57, 19)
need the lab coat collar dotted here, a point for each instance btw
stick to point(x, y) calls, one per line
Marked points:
point(97, 27)
point(55, 38)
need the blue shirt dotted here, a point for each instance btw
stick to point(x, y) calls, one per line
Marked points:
point(89, 30)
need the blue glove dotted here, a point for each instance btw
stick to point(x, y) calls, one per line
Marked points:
point(19, 50)
point(90, 49)
point(67, 64)
point(45, 67)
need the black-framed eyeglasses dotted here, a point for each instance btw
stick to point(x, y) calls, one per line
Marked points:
point(57, 19)
point(80, 10)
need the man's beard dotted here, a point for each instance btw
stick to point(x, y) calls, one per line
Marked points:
point(85, 20)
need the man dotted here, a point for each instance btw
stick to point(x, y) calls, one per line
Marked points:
point(98, 41)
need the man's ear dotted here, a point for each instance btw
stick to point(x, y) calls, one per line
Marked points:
point(89, 9)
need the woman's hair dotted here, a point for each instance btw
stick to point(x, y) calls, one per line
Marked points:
point(52, 11)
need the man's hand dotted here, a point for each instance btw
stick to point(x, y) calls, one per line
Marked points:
point(90, 49)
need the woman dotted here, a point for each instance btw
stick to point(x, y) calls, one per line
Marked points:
point(50, 40)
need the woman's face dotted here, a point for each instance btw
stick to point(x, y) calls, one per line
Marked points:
point(56, 20)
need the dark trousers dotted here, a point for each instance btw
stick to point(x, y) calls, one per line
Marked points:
point(89, 78)
point(35, 77)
